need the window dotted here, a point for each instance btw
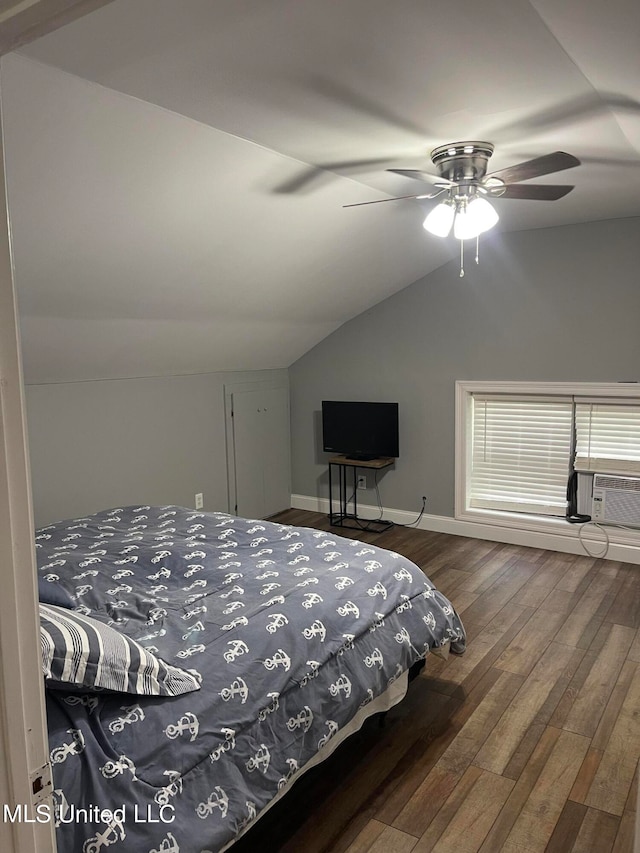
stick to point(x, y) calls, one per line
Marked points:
point(516, 444)
point(520, 453)
point(608, 437)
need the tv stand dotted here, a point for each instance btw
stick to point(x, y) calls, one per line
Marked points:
point(342, 517)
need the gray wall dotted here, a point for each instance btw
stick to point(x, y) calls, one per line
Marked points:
point(96, 445)
point(553, 304)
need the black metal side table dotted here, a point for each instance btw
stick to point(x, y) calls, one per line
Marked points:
point(342, 517)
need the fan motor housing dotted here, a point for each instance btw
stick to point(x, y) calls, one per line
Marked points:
point(462, 161)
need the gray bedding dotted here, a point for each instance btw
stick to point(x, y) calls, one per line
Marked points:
point(290, 631)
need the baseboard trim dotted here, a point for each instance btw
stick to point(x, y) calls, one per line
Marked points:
point(567, 542)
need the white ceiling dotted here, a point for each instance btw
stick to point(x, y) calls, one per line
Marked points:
point(176, 187)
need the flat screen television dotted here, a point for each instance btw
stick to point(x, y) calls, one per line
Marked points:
point(360, 430)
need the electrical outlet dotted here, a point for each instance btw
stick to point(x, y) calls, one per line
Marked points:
point(41, 783)
point(199, 500)
point(362, 481)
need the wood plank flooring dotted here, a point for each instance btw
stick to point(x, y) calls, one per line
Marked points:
point(529, 742)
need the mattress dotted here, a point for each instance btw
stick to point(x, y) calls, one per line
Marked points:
point(291, 633)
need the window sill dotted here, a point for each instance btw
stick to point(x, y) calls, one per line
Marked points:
point(547, 524)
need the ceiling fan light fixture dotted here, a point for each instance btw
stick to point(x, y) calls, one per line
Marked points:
point(463, 226)
point(440, 220)
point(473, 218)
point(462, 172)
point(483, 215)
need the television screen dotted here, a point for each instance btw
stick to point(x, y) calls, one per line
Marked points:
point(360, 430)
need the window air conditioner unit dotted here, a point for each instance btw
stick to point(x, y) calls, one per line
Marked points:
point(616, 499)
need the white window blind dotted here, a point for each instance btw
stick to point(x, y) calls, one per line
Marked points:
point(608, 437)
point(520, 453)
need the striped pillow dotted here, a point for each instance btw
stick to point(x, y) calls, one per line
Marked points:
point(82, 652)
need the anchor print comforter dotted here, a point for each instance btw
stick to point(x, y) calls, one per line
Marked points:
point(289, 630)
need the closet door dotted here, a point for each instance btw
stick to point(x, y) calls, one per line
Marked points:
point(248, 453)
point(276, 442)
point(259, 453)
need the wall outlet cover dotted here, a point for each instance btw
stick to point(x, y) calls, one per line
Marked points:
point(41, 783)
point(199, 502)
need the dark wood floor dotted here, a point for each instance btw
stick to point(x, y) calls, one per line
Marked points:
point(529, 742)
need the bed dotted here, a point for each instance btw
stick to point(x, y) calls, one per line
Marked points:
point(197, 663)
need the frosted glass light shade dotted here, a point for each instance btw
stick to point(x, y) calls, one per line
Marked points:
point(477, 217)
point(440, 220)
point(483, 215)
point(463, 226)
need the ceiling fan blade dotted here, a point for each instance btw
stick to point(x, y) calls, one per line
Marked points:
point(542, 192)
point(397, 198)
point(545, 165)
point(418, 175)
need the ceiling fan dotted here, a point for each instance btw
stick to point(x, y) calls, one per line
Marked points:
point(465, 187)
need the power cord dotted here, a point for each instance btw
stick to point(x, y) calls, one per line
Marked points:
point(583, 543)
point(380, 507)
point(420, 514)
point(366, 526)
point(607, 540)
point(378, 498)
point(368, 529)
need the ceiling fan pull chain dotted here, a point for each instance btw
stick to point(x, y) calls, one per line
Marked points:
point(461, 258)
point(477, 248)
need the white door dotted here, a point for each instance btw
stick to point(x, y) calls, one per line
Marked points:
point(276, 440)
point(259, 457)
point(248, 453)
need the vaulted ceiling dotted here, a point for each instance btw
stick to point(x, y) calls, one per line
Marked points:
point(177, 170)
